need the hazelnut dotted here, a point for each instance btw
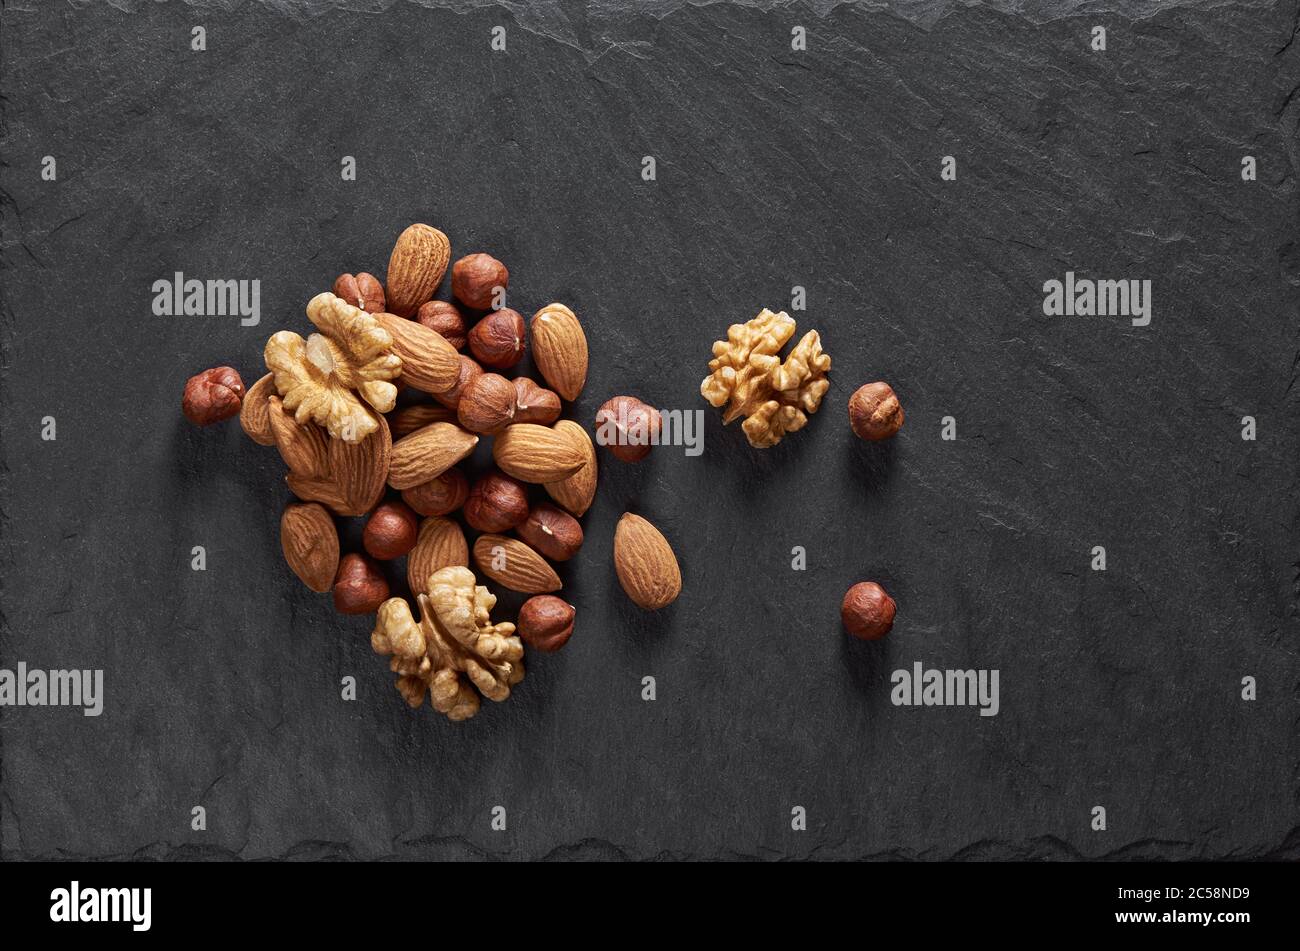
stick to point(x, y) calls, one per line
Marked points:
point(444, 319)
point(469, 371)
point(535, 404)
point(487, 404)
point(212, 396)
point(359, 587)
point(475, 280)
point(390, 531)
point(361, 290)
point(867, 611)
point(546, 622)
point(627, 427)
point(499, 339)
point(874, 412)
point(441, 495)
point(497, 503)
point(552, 531)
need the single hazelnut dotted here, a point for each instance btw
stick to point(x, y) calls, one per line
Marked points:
point(546, 622)
point(487, 404)
point(499, 339)
point(212, 396)
point(628, 427)
point(535, 404)
point(496, 503)
point(390, 531)
point(552, 531)
point(867, 611)
point(469, 371)
point(361, 290)
point(874, 412)
point(478, 279)
point(359, 587)
point(445, 319)
point(441, 495)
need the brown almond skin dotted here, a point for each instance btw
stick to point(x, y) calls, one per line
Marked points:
point(560, 350)
point(487, 404)
point(576, 492)
point(255, 414)
point(311, 544)
point(552, 531)
point(533, 453)
point(441, 544)
point(499, 339)
point(867, 611)
point(212, 396)
point(546, 622)
point(359, 587)
point(415, 268)
point(534, 404)
point(410, 418)
point(361, 290)
point(390, 531)
point(475, 278)
point(441, 495)
point(469, 372)
point(875, 412)
point(429, 363)
point(496, 503)
point(445, 319)
point(646, 566)
point(524, 570)
point(634, 425)
point(428, 452)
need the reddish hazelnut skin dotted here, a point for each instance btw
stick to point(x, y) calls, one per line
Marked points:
point(499, 339)
point(496, 503)
point(633, 423)
point(867, 611)
point(469, 372)
point(212, 396)
point(487, 404)
point(875, 412)
point(475, 278)
point(552, 531)
point(546, 622)
point(444, 319)
point(441, 495)
point(359, 587)
point(390, 531)
point(361, 290)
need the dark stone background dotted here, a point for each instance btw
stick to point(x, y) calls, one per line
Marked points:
point(775, 169)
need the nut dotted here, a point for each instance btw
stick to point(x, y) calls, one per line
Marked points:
point(254, 413)
point(428, 452)
point(416, 267)
point(560, 350)
point(487, 404)
point(347, 477)
point(867, 611)
point(533, 404)
point(628, 427)
point(497, 503)
point(499, 339)
point(577, 491)
point(441, 545)
point(646, 566)
point(359, 587)
point(512, 564)
point(212, 396)
point(410, 418)
point(874, 412)
point(311, 544)
point(441, 495)
point(469, 371)
point(390, 531)
point(552, 531)
point(533, 453)
point(477, 279)
point(445, 320)
point(429, 363)
point(361, 290)
point(546, 622)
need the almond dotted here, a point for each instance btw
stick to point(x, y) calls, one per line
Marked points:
point(347, 477)
point(415, 268)
point(254, 413)
point(512, 564)
point(576, 492)
point(647, 568)
point(533, 453)
point(560, 350)
point(429, 362)
point(408, 420)
point(429, 451)
point(311, 544)
point(441, 544)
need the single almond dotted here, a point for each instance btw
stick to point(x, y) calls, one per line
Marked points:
point(254, 413)
point(429, 362)
point(576, 492)
point(407, 420)
point(440, 544)
point(347, 477)
point(647, 568)
point(429, 451)
point(560, 349)
point(512, 564)
point(311, 544)
point(533, 453)
point(415, 268)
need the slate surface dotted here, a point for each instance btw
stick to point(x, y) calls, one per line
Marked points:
point(775, 168)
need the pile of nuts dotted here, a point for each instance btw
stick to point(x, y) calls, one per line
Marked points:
point(329, 406)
